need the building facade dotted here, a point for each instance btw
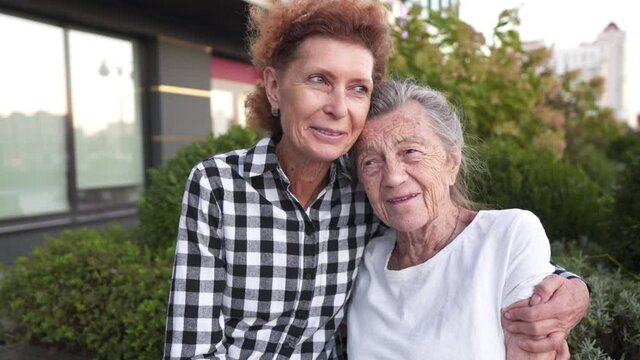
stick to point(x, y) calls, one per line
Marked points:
point(604, 57)
point(92, 93)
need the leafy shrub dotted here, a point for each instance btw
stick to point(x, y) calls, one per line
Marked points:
point(625, 225)
point(597, 166)
point(568, 202)
point(89, 292)
point(611, 328)
point(160, 205)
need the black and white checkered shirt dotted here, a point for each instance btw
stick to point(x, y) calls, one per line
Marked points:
point(255, 275)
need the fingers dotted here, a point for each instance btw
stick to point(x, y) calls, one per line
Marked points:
point(535, 329)
point(578, 301)
point(563, 352)
point(532, 313)
point(545, 290)
point(549, 343)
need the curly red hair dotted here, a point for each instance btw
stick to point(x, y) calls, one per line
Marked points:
point(275, 35)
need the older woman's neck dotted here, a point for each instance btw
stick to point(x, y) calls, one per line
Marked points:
point(307, 177)
point(413, 248)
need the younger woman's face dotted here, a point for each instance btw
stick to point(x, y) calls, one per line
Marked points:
point(323, 96)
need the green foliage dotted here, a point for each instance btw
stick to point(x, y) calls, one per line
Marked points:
point(569, 204)
point(89, 292)
point(499, 86)
point(595, 163)
point(624, 148)
point(611, 328)
point(623, 242)
point(160, 205)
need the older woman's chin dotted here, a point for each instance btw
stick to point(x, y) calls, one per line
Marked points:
point(403, 224)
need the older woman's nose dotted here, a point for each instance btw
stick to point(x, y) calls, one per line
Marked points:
point(336, 104)
point(394, 173)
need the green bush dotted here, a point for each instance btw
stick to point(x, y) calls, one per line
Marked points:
point(623, 242)
point(89, 292)
point(611, 328)
point(160, 205)
point(568, 202)
point(597, 166)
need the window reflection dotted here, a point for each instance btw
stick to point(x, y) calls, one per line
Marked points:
point(33, 158)
point(106, 119)
point(227, 104)
point(35, 172)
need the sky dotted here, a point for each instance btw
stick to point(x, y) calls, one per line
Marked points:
point(566, 24)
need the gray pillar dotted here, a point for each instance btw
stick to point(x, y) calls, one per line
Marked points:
point(179, 97)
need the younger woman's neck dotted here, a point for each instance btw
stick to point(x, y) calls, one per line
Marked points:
point(307, 177)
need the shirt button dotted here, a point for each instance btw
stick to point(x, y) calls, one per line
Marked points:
point(308, 276)
point(309, 230)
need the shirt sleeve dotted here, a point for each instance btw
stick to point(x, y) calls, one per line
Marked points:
point(194, 320)
point(529, 255)
point(559, 270)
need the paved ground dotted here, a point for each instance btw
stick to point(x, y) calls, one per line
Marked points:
point(27, 352)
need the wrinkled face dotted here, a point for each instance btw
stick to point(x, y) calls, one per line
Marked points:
point(404, 168)
point(323, 96)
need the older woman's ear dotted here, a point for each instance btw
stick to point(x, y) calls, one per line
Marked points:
point(453, 166)
point(270, 79)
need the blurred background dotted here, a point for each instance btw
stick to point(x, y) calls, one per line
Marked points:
point(106, 104)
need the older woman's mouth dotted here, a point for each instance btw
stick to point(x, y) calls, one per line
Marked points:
point(401, 199)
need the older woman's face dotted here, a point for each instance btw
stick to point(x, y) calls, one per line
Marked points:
point(323, 96)
point(404, 168)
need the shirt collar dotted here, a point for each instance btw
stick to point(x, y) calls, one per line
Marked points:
point(262, 159)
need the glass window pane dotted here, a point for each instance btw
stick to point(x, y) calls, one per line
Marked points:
point(241, 116)
point(221, 110)
point(106, 112)
point(33, 159)
point(227, 103)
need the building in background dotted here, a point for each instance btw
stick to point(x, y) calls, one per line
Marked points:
point(92, 93)
point(604, 57)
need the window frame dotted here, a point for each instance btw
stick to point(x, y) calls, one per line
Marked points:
point(78, 212)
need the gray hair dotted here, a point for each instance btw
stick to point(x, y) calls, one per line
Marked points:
point(441, 115)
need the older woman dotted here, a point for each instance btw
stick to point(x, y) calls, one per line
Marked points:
point(435, 284)
point(270, 237)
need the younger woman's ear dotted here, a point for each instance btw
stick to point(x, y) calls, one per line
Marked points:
point(270, 79)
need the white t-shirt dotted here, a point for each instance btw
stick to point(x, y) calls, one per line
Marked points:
point(448, 307)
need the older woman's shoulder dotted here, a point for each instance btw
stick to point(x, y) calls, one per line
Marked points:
point(508, 217)
point(507, 214)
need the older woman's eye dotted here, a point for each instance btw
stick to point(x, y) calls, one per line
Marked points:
point(413, 153)
point(370, 163)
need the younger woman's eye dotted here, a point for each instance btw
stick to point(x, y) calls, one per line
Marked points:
point(318, 79)
point(361, 89)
